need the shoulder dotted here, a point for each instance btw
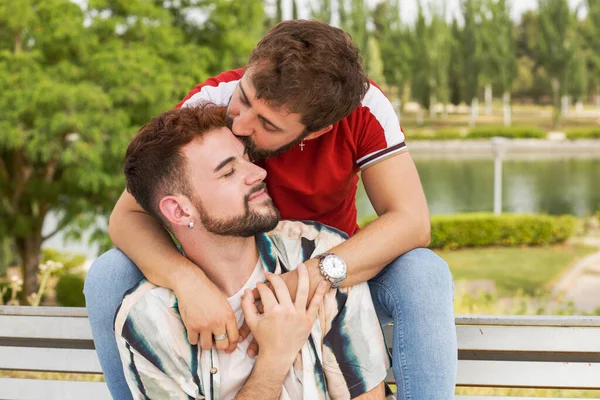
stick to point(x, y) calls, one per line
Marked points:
point(298, 241)
point(145, 304)
point(217, 89)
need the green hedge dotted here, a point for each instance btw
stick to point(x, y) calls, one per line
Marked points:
point(69, 291)
point(516, 132)
point(485, 229)
point(583, 133)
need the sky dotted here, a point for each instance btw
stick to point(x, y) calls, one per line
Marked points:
point(408, 8)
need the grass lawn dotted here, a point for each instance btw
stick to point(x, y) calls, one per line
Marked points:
point(514, 269)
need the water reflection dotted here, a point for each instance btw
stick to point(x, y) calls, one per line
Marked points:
point(552, 186)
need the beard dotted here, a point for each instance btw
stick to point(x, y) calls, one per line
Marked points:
point(260, 154)
point(249, 224)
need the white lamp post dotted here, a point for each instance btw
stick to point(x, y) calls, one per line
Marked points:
point(499, 147)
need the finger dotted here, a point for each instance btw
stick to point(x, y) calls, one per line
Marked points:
point(221, 344)
point(232, 334)
point(244, 331)
point(316, 301)
point(281, 289)
point(252, 348)
point(303, 287)
point(266, 296)
point(260, 307)
point(206, 340)
point(192, 337)
point(256, 294)
point(251, 314)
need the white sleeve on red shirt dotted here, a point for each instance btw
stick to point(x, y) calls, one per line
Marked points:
point(219, 94)
point(217, 89)
point(381, 135)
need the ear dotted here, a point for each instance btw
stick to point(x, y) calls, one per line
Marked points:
point(316, 134)
point(176, 210)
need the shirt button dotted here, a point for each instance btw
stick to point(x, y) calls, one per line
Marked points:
point(213, 370)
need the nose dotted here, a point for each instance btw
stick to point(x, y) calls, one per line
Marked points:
point(241, 125)
point(255, 174)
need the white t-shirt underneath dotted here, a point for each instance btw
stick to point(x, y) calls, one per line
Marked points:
point(236, 367)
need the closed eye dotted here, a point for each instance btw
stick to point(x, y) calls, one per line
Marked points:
point(230, 173)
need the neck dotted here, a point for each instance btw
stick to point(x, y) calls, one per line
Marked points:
point(226, 260)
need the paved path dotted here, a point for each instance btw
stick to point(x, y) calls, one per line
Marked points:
point(581, 284)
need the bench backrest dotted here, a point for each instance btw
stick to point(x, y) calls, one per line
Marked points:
point(48, 339)
point(494, 351)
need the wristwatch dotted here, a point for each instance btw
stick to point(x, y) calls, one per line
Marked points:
point(333, 268)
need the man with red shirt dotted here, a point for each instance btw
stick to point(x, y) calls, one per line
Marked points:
point(310, 117)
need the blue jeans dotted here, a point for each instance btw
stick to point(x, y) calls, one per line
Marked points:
point(415, 292)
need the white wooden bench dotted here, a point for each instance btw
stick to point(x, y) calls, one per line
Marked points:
point(494, 351)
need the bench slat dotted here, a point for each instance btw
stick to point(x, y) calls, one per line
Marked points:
point(42, 359)
point(36, 389)
point(79, 312)
point(528, 374)
point(529, 339)
point(67, 328)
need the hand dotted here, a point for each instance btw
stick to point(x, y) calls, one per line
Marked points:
point(291, 281)
point(206, 313)
point(285, 325)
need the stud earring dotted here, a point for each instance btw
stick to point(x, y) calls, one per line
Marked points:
point(191, 224)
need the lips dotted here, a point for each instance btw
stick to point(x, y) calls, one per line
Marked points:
point(257, 194)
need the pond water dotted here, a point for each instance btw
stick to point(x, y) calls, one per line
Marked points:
point(551, 186)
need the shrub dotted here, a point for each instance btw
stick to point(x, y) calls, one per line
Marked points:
point(517, 132)
point(442, 134)
point(69, 291)
point(583, 133)
point(485, 229)
point(68, 260)
point(5, 291)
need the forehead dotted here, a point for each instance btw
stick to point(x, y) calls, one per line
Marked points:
point(206, 152)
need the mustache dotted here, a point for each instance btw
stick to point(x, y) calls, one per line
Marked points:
point(257, 188)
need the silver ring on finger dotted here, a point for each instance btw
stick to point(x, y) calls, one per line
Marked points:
point(221, 337)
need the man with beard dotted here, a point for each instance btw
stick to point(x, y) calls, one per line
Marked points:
point(187, 169)
point(305, 101)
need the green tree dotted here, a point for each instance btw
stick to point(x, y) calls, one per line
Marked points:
point(472, 52)
point(74, 86)
point(502, 54)
point(432, 44)
point(455, 69)
point(556, 47)
point(592, 44)
point(321, 10)
point(230, 29)
point(394, 41)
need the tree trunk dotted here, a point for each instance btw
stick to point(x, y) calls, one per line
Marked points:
point(488, 99)
point(18, 44)
point(598, 99)
point(29, 249)
point(506, 108)
point(419, 116)
point(557, 106)
point(474, 111)
point(432, 102)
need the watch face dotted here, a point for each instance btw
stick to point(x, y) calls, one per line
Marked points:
point(334, 266)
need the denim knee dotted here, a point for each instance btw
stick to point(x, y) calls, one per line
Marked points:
point(108, 278)
point(417, 270)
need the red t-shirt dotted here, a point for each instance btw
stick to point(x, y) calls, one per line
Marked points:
point(319, 183)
